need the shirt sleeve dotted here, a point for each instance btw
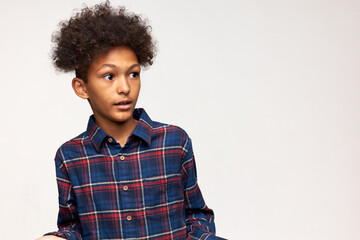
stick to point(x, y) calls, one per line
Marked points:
point(199, 218)
point(68, 218)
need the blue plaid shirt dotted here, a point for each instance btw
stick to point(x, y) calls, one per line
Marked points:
point(146, 189)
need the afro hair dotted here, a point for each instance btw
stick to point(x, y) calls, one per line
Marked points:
point(94, 31)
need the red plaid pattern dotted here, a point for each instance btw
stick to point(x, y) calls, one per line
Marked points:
point(146, 189)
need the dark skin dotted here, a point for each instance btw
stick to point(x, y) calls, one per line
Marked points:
point(111, 85)
point(112, 90)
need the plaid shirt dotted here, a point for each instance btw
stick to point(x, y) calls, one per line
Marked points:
point(144, 190)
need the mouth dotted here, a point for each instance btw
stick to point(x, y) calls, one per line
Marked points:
point(123, 105)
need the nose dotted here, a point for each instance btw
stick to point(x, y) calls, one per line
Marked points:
point(123, 86)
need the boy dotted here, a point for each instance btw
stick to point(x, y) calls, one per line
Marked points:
point(126, 176)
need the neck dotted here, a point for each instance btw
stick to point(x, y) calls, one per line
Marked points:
point(118, 130)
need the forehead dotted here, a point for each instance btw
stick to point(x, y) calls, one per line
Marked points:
point(118, 57)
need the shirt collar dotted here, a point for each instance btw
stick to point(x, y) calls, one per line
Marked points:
point(95, 133)
point(145, 125)
point(143, 128)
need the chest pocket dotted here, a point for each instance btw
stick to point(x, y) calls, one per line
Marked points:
point(162, 191)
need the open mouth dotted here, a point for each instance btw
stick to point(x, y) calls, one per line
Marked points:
point(123, 103)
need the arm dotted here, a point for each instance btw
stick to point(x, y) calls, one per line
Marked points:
point(49, 237)
point(199, 218)
point(68, 219)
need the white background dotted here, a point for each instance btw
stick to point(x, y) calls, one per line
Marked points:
point(269, 91)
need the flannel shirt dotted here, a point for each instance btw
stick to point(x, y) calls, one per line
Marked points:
point(146, 189)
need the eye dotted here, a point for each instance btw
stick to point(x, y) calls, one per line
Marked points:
point(109, 76)
point(134, 74)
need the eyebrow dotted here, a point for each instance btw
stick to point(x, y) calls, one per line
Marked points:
point(133, 66)
point(114, 66)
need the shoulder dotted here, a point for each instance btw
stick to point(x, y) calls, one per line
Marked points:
point(76, 141)
point(72, 147)
point(168, 128)
point(170, 133)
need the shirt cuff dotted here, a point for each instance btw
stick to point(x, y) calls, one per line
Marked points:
point(66, 234)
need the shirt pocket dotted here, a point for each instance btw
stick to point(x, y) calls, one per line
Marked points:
point(162, 190)
point(164, 204)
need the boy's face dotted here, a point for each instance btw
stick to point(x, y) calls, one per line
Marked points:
point(113, 86)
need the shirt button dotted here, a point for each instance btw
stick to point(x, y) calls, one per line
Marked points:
point(110, 140)
point(122, 158)
point(128, 218)
point(125, 188)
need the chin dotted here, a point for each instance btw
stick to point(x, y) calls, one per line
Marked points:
point(124, 117)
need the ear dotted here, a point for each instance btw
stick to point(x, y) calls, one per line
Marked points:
point(79, 87)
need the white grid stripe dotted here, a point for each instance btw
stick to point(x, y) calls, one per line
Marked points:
point(132, 209)
point(116, 185)
point(128, 181)
point(91, 190)
point(142, 193)
point(125, 154)
point(166, 195)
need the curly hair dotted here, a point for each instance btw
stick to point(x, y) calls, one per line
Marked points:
point(94, 31)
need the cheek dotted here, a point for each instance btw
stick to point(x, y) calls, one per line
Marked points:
point(93, 96)
point(136, 87)
point(98, 98)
